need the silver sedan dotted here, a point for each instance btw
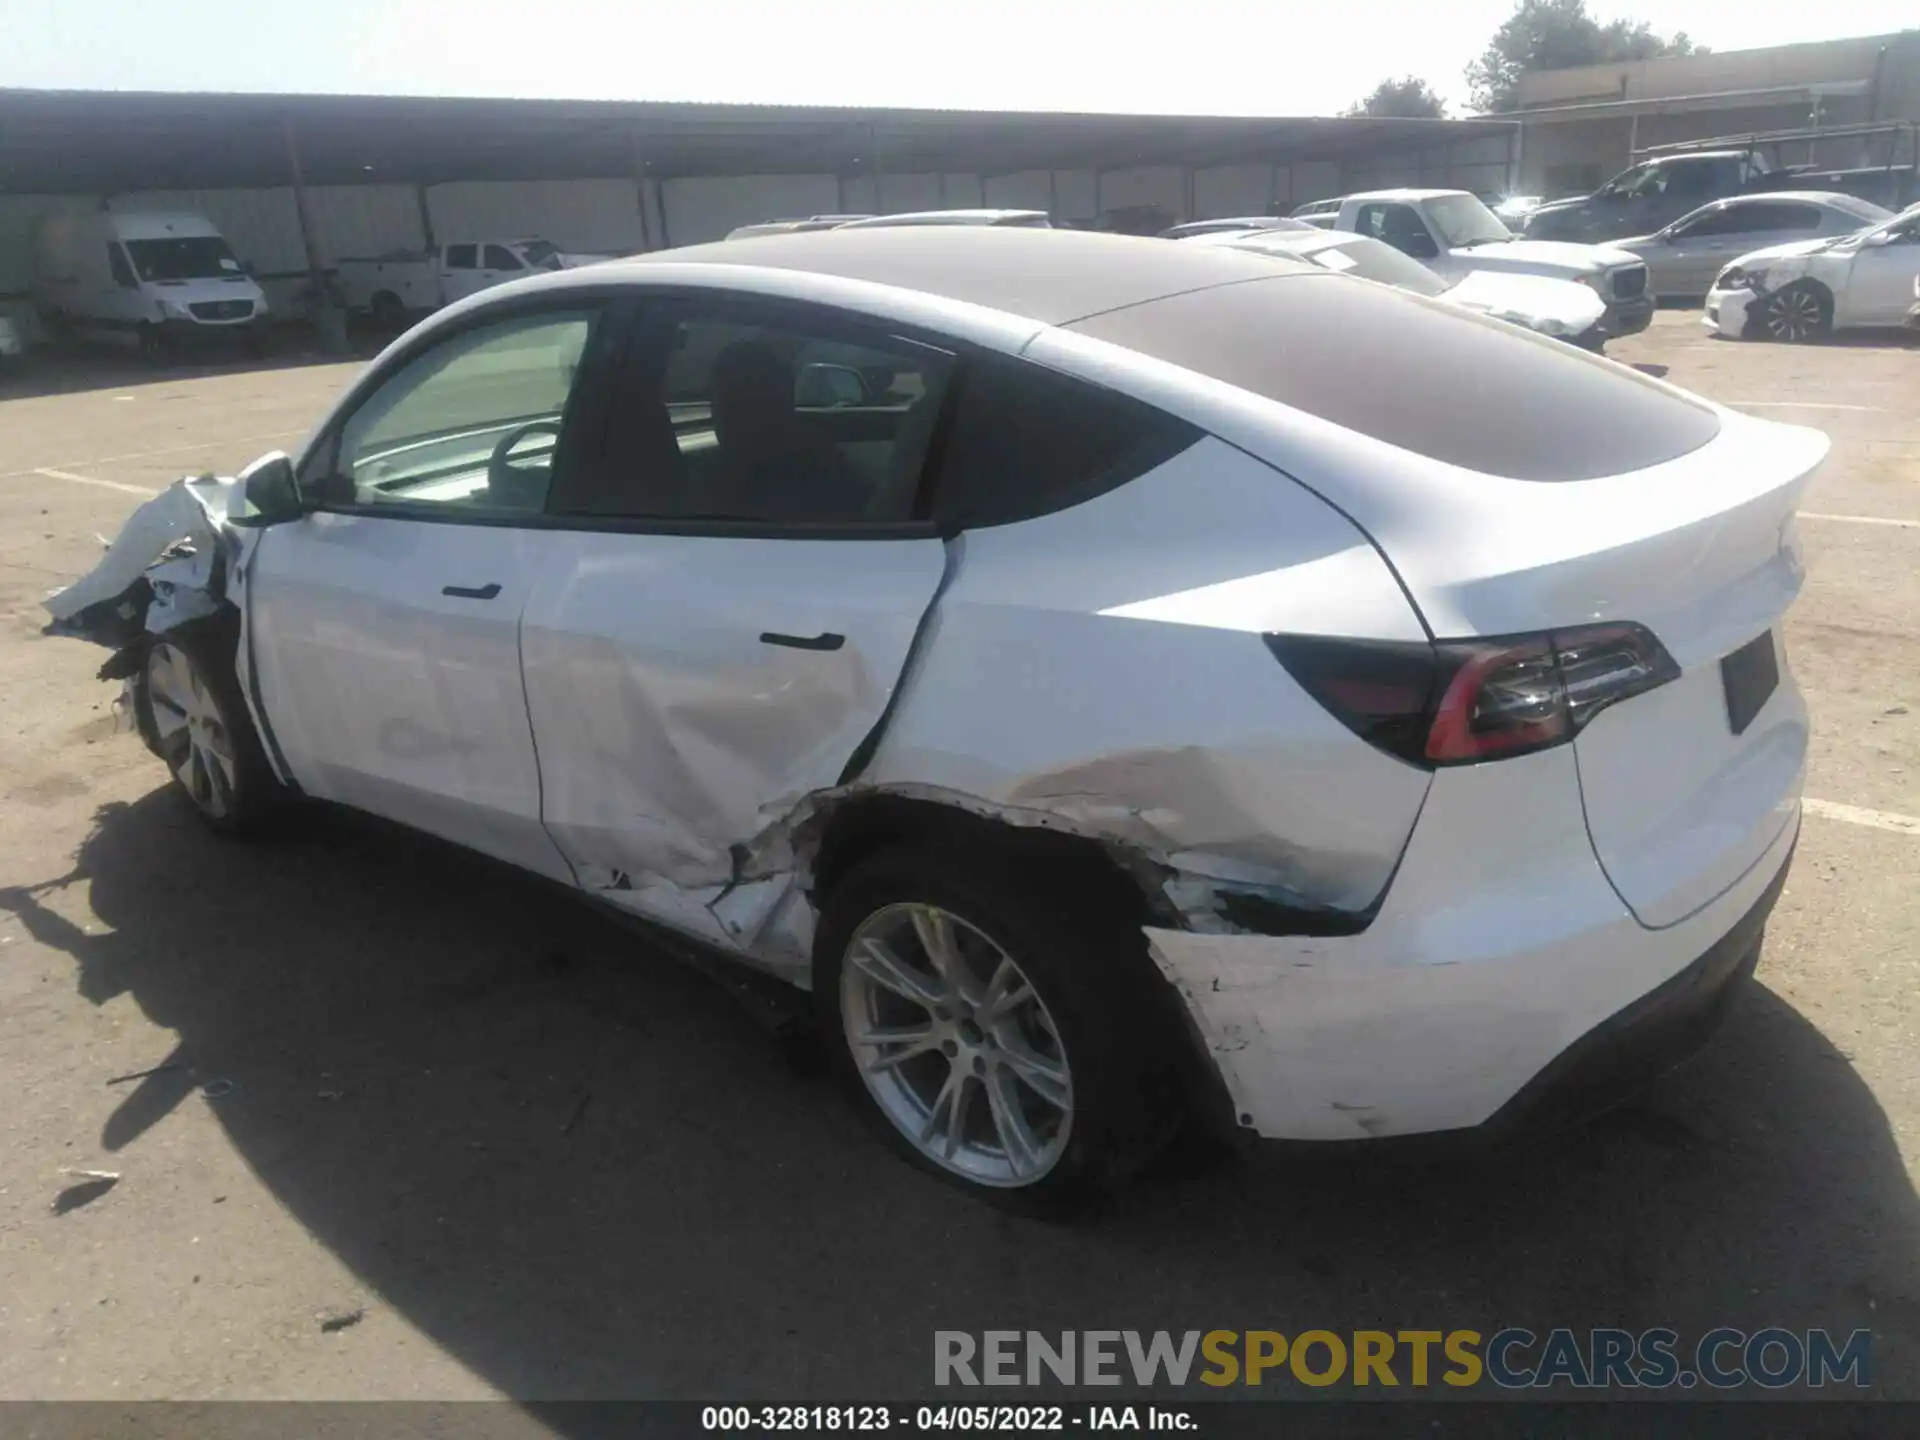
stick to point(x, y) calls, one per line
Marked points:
point(1683, 258)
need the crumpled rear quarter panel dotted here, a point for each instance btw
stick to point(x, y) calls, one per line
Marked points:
point(1103, 665)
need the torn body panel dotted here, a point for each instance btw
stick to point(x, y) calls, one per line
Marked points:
point(1499, 946)
point(169, 563)
point(689, 694)
point(1132, 704)
point(1134, 699)
point(177, 559)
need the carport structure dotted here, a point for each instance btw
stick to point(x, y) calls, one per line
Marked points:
point(298, 181)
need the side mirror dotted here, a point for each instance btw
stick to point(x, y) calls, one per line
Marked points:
point(267, 493)
point(823, 386)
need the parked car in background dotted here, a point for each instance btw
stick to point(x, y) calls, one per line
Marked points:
point(791, 227)
point(1019, 219)
point(395, 288)
point(1091, 773)
point(1512, 209)
point(1804, 290)
point(162, 278)
point(1219, 227)
point(1319, 213)
point(1559, 308)
point(1453, 233)
point(1654, 193)
point(1683, 258)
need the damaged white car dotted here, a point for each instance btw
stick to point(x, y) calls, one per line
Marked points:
point(1806, 290)
point(1123, 681)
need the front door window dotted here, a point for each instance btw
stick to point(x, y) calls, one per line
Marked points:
point(473, 425)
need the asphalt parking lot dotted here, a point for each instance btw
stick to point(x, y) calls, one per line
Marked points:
point(402, 1126)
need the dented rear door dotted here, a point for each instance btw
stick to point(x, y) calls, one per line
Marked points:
point(688, 691)
point(729, 624)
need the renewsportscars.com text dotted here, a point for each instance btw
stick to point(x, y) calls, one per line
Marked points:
point(1511, 1359)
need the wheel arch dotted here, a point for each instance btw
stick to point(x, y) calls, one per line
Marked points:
point(1125, 889)
point(863, 824)
point(1813, 284)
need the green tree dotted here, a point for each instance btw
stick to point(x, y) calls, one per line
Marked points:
point(1558, 35)
point(1408, 96)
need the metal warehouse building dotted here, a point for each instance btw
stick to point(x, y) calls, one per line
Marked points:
point(297, 183)
point(1582, 125)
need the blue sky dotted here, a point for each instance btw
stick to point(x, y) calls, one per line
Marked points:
point(1265, 57)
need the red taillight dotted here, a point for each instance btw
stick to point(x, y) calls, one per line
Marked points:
point(1458, 702)
point(1502, 699)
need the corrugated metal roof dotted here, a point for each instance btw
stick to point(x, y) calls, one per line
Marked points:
point(89, 141)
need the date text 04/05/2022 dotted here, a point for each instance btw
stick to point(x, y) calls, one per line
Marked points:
point(1007, 1419)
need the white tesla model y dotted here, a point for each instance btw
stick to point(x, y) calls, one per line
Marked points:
point(1119, 680)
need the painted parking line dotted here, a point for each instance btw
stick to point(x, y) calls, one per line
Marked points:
point(1861, 520)
point(1854, 815)
point(73, 479)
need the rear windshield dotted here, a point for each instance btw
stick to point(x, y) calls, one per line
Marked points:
point(1418, 374)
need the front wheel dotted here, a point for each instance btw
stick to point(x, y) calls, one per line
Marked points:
point(1797, 314)
point(1004, 1047)
point(198, 724)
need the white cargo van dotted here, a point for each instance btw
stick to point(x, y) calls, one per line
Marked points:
point(160, 278)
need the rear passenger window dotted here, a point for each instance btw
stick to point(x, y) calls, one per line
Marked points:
point(1025, 441)
point(1779, 215)
point(743, 413)
point(462, 257)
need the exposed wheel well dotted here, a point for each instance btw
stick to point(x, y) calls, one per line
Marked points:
point(1082, 873)
point(860, 826)
point(1808, 283)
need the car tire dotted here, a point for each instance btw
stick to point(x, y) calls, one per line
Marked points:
point(388, 313)
point(1797, 314)
point(1090, 1034)
point(193, 717)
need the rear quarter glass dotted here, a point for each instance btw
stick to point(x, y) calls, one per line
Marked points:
point(1472, 392)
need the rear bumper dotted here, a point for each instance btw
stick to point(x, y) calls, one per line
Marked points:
point(1503, 978)
point(1644, 1040)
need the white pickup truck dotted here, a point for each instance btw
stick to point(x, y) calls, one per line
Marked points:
point(392, 288)
point(1453, 233)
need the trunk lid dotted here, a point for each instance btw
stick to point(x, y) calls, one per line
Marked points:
point(1703, 551)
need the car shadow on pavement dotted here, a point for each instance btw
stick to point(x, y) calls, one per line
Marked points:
point(587, 1173)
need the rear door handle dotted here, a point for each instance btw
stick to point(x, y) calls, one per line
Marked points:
point(473, 592)
point(825, 640)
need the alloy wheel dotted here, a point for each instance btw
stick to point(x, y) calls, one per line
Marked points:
point(956, 1046)
point(1793, 315)
point(194, 739)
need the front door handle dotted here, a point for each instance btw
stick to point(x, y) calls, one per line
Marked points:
point(825, 640)
point(473, 592)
